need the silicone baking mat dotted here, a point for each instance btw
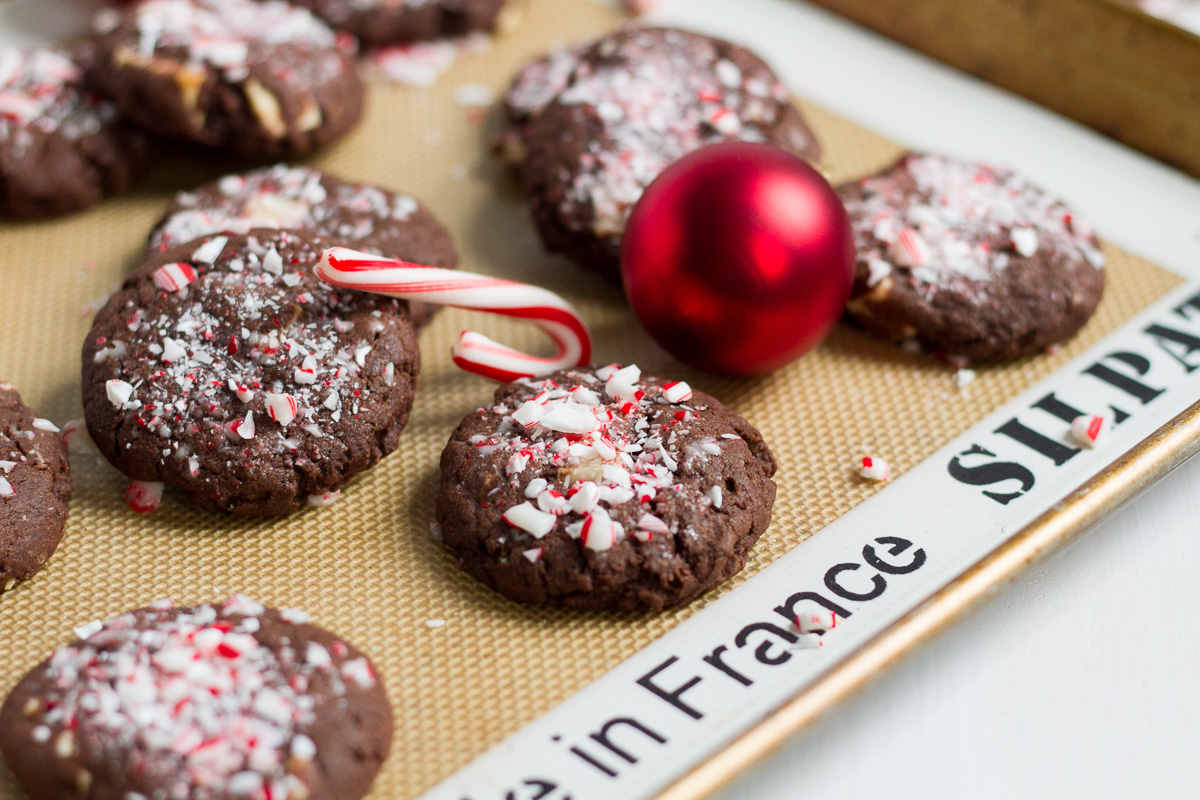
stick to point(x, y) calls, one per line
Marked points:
point(367, 566)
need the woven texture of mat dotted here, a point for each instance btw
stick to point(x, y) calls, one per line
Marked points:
point(367, 566)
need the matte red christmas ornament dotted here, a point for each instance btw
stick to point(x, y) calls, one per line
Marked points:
point(738, 258)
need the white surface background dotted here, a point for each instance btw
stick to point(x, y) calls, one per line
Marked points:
point(1079, 681)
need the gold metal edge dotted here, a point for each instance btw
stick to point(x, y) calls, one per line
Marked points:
point(1136, 470)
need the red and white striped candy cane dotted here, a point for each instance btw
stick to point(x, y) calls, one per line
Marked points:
point(473, 351)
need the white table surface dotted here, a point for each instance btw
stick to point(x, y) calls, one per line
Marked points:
point(1078, 681)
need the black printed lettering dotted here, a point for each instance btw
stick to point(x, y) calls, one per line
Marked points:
point(672, 696)
point(788, 609)
point(1177, 344)
point(1057, 452)
point(599, 765)
point(1192, 303)
point(603, 736)
point(1130, 386)
point(991, 473)
point(714, 659)
point(763, 651)
point(878, 584)
point(898, 546)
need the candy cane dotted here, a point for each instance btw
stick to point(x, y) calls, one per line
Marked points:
point(474, 352)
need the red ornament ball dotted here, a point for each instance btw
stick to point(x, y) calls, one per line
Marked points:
point(738, 258)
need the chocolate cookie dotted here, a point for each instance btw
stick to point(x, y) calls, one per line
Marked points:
point(226, 701)
point(62, 147)
point(592, 127)
point(35, 485)
point(601, 489)
point(971, 260)
point(225, 367)
point(258, 78)
point(383, 22)
point(363, 217)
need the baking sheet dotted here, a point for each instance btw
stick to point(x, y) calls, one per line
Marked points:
point(367, 566)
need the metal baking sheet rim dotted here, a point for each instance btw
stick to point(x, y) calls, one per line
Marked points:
point(1139, 468)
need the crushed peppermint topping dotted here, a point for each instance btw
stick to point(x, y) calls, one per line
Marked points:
point(144, 497)
point(602, 461)
point(223, 35)
point(193, 695)
point(656, 95)
point(1088, 430)
point(875, 469)
point(41, 91)
point(22, 441)
point(950, 224)
point(816, 621)
point(241, 362)
point(284, 197)
point(324, 499)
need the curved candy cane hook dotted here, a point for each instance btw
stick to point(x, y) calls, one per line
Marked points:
point(473, 352)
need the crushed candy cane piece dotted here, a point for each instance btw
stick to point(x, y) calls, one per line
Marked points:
point(244, 427)
point(173, 277)
point(89, 629)
point(807, 641)
point(172, 351)
point(324, 498)
point(75, 436)
point(144, 496)
point(207, 253)
point(281, 408)
point(570, 418)
point(529, 413)
point(119, 392)
point(875, 469)
point(815, 621)
point(1025, 241)
point(599, 531)
point(677, 392)
point(1088, 430)
point(530, 519)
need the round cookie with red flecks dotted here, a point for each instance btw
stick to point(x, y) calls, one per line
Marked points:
point(603, 489)
point(226, 368)
point(361, 216)
point(258, 78)
point(591, 128)
point(62, 147)
point(973, 261)
point(35, 485)
point(214, 701)
point(383, 22)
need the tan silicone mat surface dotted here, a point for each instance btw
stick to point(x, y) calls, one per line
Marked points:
point(367, 566)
